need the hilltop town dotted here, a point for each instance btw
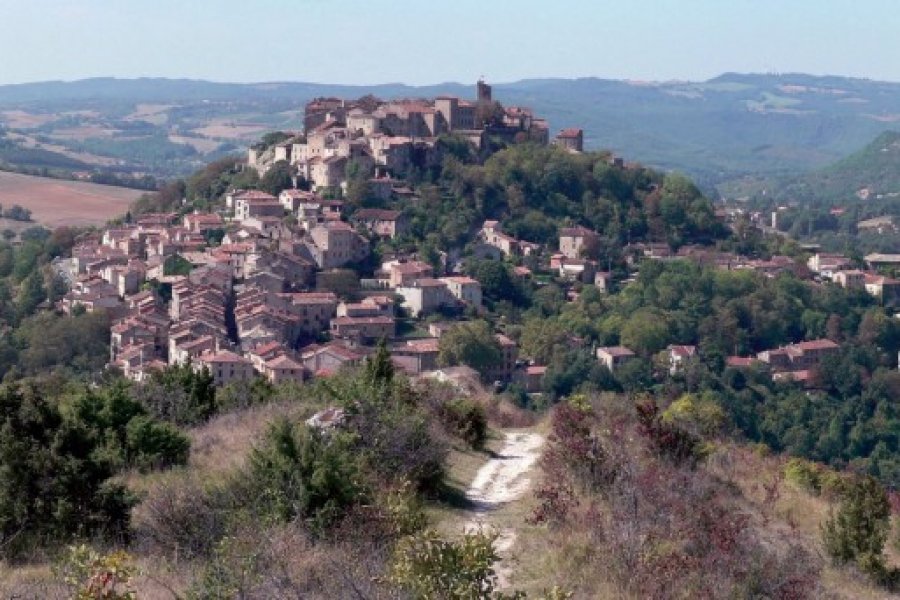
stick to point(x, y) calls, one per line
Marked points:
point(390, 136)
point(254, 289)
point(235, 291)
point(242, 306)
point(381, 291)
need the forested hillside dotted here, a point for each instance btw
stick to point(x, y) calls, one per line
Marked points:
point(873, 172)
point(655, 481)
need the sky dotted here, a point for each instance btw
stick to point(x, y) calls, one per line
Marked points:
point(430, 41)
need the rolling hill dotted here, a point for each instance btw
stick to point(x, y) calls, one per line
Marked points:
point(715, 130)
point(870, 173)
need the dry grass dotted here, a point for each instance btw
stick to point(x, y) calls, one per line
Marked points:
point(217, 448)
point(19, 119)
point(85, 157)
point(55, 202)
point(230, 130)
point(152, 113)
point(223, 444)
point(200, 144)
point(789, 515)
point(780, 515)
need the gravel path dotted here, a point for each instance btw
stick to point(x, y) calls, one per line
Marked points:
point(503, 479)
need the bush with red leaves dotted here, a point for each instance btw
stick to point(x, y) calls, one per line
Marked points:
point(666, 439)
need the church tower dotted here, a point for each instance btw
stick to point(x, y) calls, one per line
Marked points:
point(484, 92)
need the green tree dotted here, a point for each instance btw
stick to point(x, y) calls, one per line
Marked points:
point(497, 282)
point(55, 478)
point(859, 528)
point(302, 473)
point(380, 367)
point(277, 178)
point(472, 344)
point(31, 294)
point(646, 332)
point(176, 265)
point(541, 337)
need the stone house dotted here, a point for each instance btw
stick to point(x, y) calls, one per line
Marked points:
point(363, 329)
point(381, 222)
point(283, 368)
point(404, 273)
point(329, 358)
point(424, 296)
point(614, 357)
point(464, 289)
point(571, 139)
point(226, 367)
point(335, 243)
point(577, 242)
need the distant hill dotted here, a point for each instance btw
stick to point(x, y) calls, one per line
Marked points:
point(872, 172)
point(715, 130)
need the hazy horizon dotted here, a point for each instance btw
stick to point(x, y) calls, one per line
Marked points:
point(358, 43)
point(633, 80)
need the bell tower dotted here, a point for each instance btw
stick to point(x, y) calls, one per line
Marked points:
point(484, 92)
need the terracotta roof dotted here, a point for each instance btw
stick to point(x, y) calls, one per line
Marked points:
point(460, 279)
point(283, 362)
point(411, 267)
point(204, 218)
point(683, 351)
point(381, 320)
point(423, 345)
point(254, 195)
point(263, 349)
point(616, 350)
point(376, 214)
point(578, 231)
point(571, 132)
point(821, 344)
point(223, 356)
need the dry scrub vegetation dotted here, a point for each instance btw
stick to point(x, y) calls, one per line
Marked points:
point(235, 522)
point(630, 508)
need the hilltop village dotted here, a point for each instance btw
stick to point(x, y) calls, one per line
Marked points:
point(268, 285)
point(243, 307)
point(414, 277)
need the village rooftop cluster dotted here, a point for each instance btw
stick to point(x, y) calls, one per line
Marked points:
point(246, 305)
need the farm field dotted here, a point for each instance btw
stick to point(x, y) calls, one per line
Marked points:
point(55, 202)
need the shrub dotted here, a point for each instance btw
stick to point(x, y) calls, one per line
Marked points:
point(299, 472)
point(466, 419)
point(700, 414)
point(183, 517)
point(397, 443)
point(859, 528)
point(94, 576)
point(804, 474)
point(428, 566)
point(151, 444)
point(54, 476)
point(667, 439)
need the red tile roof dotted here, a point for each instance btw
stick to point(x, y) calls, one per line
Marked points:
point(571, 132)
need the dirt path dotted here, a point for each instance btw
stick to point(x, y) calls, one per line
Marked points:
point(503, 479)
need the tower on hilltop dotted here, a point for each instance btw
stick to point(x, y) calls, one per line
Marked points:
point(484, 92)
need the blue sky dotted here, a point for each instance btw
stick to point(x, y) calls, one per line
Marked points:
point(429, 41)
